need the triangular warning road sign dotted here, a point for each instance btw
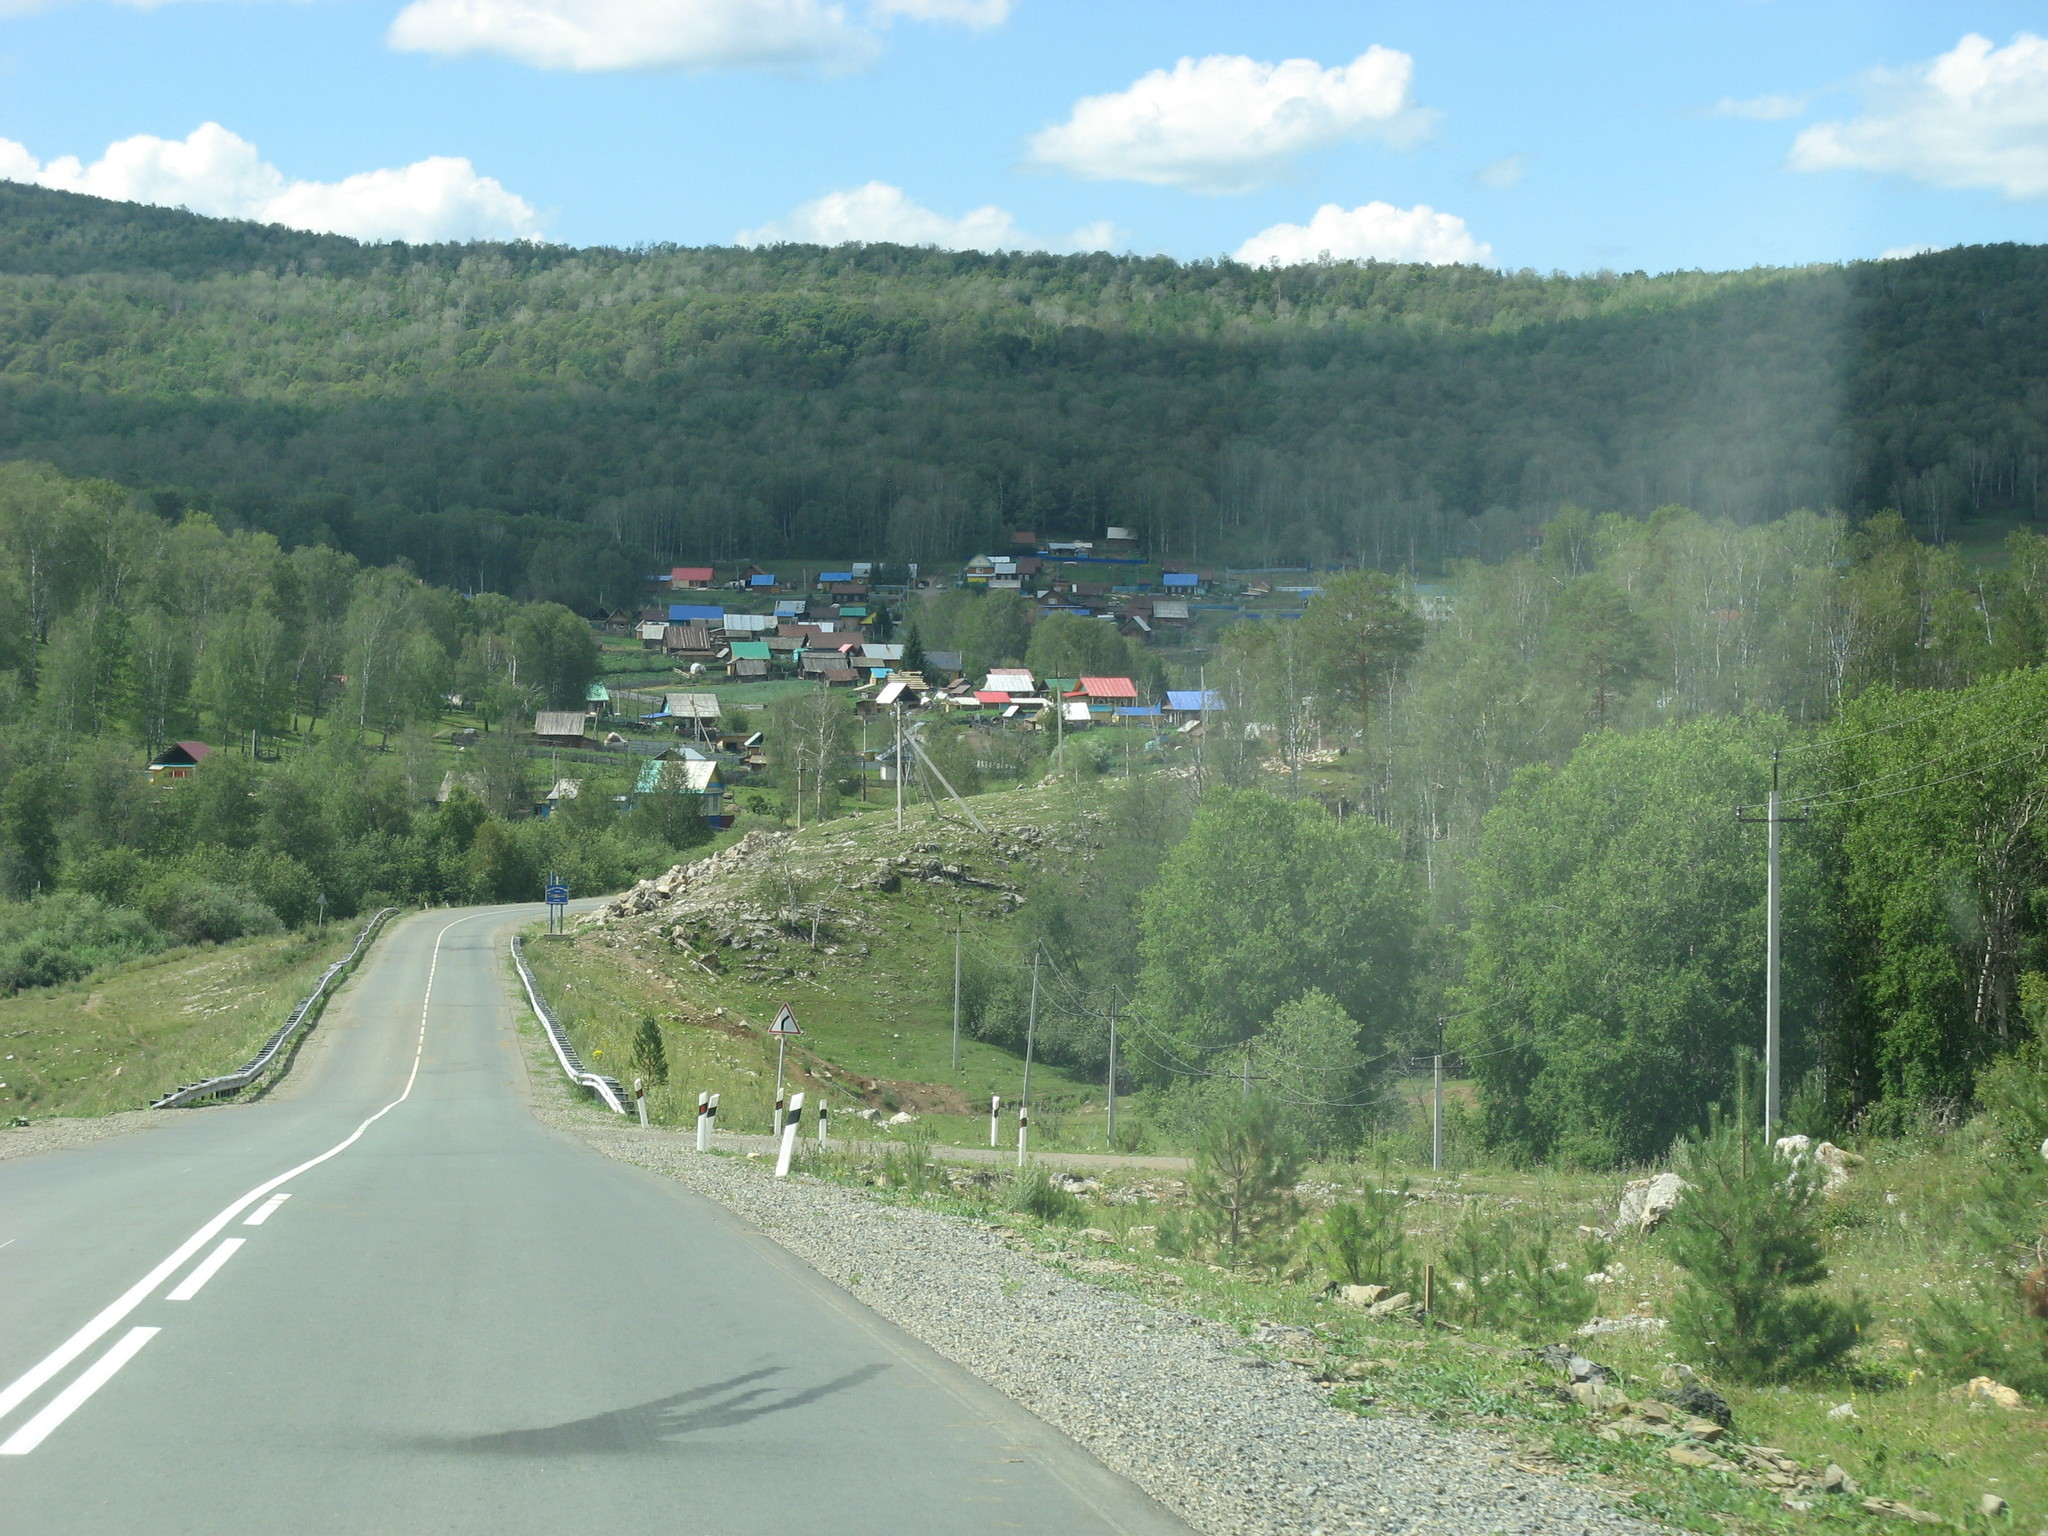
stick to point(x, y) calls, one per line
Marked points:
point(785, 1023)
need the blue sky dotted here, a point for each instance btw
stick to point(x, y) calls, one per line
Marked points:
point(1693, 133)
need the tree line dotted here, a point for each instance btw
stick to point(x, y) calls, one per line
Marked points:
point(546, 422)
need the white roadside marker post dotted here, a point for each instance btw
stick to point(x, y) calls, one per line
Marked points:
point(995, 1110)
point(640, 1100)
point(789, 1130)
point(711, 1120)
point(703, 1122)
point(824, 1116)
point(1023, 1131)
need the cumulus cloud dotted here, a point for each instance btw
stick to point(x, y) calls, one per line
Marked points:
point(972, 13)
point(1230, 124)
point(1375, 232)
point(214, 171)
point(880, 213)
point(590, 35)
point(1762, 109)
point(1976, 116)
point(634, 34)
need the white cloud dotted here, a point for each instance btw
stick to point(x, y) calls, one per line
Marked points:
point(1763, 109)
point(214, 171)
point(1901, 252)
point(972, 13)
point(1229, 124)
point(1503, 173)
point(635, 34)
point(1374, 232)
point(879, 212)
point(1976, 116)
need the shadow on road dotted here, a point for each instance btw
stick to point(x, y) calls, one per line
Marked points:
point(655, 1425)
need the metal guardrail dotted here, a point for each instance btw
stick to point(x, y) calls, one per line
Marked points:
point(606, 1088)
point(304, 1014)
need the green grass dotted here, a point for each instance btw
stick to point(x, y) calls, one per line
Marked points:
point(133, 1032)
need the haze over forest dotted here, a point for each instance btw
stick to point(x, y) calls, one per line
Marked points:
point(552, 422)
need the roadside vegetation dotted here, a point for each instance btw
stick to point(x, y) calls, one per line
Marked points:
point(141, 1027)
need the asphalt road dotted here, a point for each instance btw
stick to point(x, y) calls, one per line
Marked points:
point(462, 1321)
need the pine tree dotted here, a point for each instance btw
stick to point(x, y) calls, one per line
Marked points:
point(650, 1056)
point(1246, 1164)
point(913, 651)
point(1747, 1236)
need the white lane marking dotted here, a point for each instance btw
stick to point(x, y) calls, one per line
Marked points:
point(267, 1209)
point(207, 1268)
point(38, 1374)
point(72, 1398)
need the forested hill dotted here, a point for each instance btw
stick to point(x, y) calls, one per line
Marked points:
point(551, 422)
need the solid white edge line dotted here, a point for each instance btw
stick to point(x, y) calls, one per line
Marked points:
point(205, 1270)
point(37, 1375)
point(267, 1210)
point(72, 1398)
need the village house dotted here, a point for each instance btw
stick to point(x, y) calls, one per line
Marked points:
point(690, 578)
point(178, 760)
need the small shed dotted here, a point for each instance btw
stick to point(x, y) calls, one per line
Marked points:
point(178, 760)
point(651, 632)
point(560, 728)
point(693, 706)
point(746, 666)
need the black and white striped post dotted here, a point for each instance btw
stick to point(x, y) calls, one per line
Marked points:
point(995, 1112)
point(640, 1100)
point(790, 1127)
point(703, 1122)
point(824, 1116)
point(1023, 1131)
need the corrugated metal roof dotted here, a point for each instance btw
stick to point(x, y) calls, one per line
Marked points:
point(558, 722)
point(1109, 688)
point(701, 613)
point(1191, 699)
point(750, 650)
point(693, 706)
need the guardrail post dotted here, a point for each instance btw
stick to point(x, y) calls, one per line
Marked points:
point(790, 1127)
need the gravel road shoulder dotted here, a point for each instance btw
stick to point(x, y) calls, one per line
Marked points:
point(1177, 1404)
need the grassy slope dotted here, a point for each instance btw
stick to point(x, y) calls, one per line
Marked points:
point(881, 1023)
point(123, 1037)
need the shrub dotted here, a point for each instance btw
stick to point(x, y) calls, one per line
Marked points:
point(1365, 1241)
point(1747, 1237)
point(1033, 1191)
point(1246, 1164)
point(1998, 1326)
point(201, 912)
point(1501, 1274)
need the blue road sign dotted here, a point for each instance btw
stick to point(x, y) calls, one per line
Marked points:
point(558, 895)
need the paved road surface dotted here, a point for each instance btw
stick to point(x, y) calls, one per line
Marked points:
point(462, 1321)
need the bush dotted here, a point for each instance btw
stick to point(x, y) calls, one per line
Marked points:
point(1246, 1165)
point(1501, 1274)
point(1034, 1192)
point(1365, 1241)
point(1998, 1326)
point(200, 912)
point(66, 936)
point(1747, 1237)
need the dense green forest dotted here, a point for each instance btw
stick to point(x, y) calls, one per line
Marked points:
point(546, 422)
point(1510, 833)
point(318, 682)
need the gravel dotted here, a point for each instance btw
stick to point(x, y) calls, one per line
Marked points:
point(61, 1134)
point(1179, 1405)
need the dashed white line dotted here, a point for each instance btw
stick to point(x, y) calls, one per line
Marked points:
point(38, 1375)
point(266, 1209)
point(208, 1267)
point(72, 1398)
